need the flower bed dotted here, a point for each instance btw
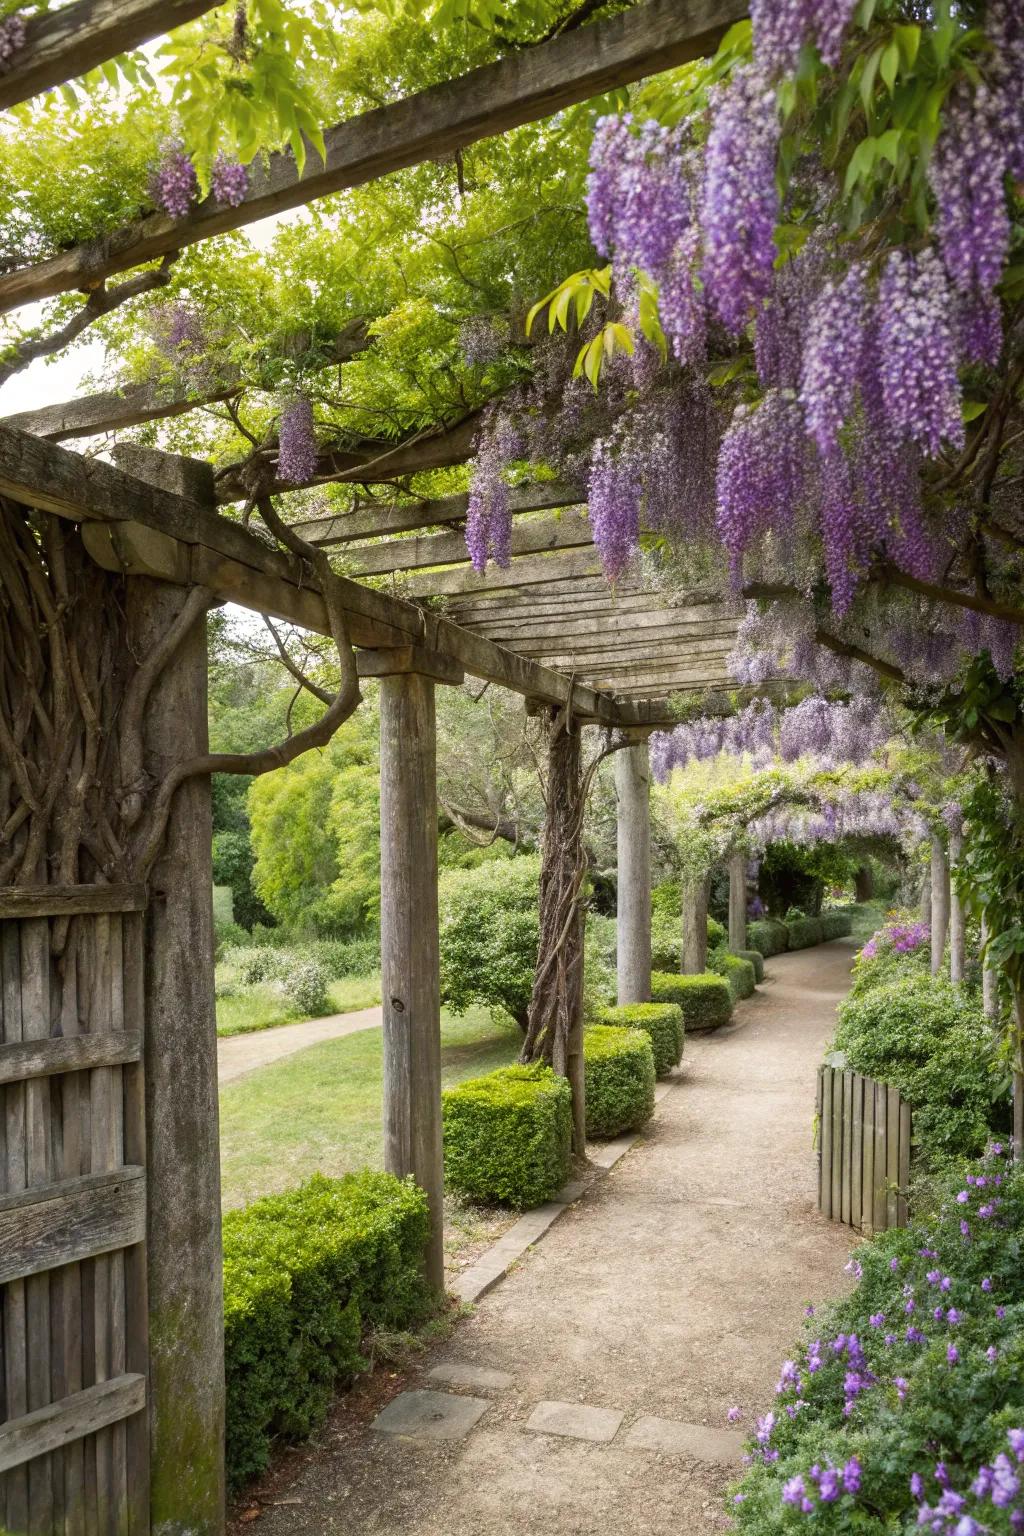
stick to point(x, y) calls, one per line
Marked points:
point(904, 1410)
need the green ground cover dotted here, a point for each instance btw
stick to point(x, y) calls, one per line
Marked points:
point(320, 1110)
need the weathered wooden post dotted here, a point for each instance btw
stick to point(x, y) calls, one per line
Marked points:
point(940, 902)
point(696, 886)
point(185, 1272)
point(410, 963)
point(633, 909)
point(737, 901)
point(957, 916)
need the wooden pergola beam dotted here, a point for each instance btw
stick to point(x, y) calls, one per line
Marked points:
point(525, 86)
point(375, 521)
point(134, 404)
point(651, 622)
point(529, 570)
point(64, 44)
point(571, 531)
point(174, 538)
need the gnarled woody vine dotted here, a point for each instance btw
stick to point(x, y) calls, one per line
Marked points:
point(77, 803)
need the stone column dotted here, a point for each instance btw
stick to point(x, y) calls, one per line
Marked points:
point(737, 901)
point(695, 922)
point(940, 902)
point(410, 965)
point(633, 909)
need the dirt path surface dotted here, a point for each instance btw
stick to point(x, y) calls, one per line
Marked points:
point(674, 1290)
point(239, 1054)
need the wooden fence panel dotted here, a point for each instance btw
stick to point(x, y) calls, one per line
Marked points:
point(864, 1131)
point(74, 1439)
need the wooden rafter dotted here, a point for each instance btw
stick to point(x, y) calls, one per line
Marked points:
point(145, 529)
point(66, 43)
point(571, 531)
point(377, 519)
point(111, 409)
point(525, 86)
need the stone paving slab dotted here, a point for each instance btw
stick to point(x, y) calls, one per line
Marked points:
point(462, 1373)
point(668, 1437)
point(578, 1421)
point(428, 1415)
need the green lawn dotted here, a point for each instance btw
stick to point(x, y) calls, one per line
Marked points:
point(321, 1109)
point(263, 1007)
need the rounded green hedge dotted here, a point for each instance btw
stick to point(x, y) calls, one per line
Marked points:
point(768, 936)
point(804, 931)
point(706, 1000)
point(306, 1274)
point(618, 1067)
point(662, 1021)
point(507, 1136)
point(836, 925)
point(739, 973)
point(757, 961)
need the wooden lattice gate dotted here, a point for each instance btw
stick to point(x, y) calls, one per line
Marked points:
point(74, 1438)
point(865, 1132)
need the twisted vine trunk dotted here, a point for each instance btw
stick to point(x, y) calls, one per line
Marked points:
point(554, 1032)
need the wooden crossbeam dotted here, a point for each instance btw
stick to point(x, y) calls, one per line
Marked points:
point(111, 409)
point(59, 1424)
point(379, 520)
point(531, 569)
point(571, 531)
point(523, 87)
point(569, 655)
point(185, 542)
point(66, 43)
point(516, 631)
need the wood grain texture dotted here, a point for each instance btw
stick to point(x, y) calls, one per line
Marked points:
point(374, 522)
point(410, 962)
point(66, 43)
point(65, 900)
point(527, 85)
point(48, 1058)
point(43, 1227)
point(49, 1428)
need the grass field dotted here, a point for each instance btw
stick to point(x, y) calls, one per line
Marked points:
point(321, 1108)
point(263, 1007)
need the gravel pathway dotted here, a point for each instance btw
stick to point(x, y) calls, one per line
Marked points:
point(239, 1054)
point(673, 1291)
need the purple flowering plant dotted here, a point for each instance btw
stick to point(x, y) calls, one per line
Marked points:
point(921, 1428)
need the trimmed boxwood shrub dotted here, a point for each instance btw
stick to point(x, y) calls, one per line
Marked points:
point(768, 936)
point(757, 961)
point(836, 925)
point(804, 931)
point(507, 1136)
point(667, 934)
point(716, 933)
point(739, 973)
point(618, 1067)
point(305, 1275)
point(706, 1000)
point(662, 1021)
point(932, 1042)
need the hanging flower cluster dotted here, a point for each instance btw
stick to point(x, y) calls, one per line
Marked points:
point(297, 450)
point(173, 184)
point(833, 733)
point(13, 32)
point(229, 180)
point(850, 814)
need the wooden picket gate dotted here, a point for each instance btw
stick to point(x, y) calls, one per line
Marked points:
point(74, 1438)
point(864, 1131)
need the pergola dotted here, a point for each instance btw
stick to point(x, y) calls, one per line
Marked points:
point(112, 1390)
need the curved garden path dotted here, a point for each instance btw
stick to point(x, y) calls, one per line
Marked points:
point(239, 1054)
point(672, 1291)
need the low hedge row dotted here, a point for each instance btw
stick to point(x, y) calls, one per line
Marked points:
point(757, 961)
point(305, 1275)
point(705, 1000)
point(662, 1021)
point(739, 973)
point(507, 1136)
point(618, 1067)
point(771, 937)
